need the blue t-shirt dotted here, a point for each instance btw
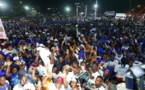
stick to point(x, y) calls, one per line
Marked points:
point(14, 79)
point(81, 54)
point(5, 87)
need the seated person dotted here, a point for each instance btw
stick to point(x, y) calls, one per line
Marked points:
point(3, 84)
point(24, 84)
point(99, 82)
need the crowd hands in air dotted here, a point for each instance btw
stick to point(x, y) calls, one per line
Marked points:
point(44, 55)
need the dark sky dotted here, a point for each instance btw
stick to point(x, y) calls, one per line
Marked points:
point(104, 5)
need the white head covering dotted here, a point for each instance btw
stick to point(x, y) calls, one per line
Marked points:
point(82, 45)
point(16, 58)
point(73, 79)
point(55, 40)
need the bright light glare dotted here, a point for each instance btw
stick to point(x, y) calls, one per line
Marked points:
point(1, 5)
point(27, 8)
point(96, 5)
point(67, 9)
point(82, 13)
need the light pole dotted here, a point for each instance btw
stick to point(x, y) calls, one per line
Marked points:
point(96, 6)
point(27, 9)
point(77, 8)
point(86, 10)
point(130, 4)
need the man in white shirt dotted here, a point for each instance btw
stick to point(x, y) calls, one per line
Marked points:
point(113, 62)
point(10, 50)
point(118, 55)
point(96, 72)
point(98, 83)
point(24, 84)
point(121, 69)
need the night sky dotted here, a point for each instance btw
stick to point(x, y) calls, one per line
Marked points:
point(104, 5)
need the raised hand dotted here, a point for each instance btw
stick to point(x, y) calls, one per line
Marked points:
point(9, 63)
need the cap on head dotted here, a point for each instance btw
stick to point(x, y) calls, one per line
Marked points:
point(59, 79)
point(15, 58)
point(55, 40)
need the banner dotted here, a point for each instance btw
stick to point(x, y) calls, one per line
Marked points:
point(109, 13)
point(2, 31)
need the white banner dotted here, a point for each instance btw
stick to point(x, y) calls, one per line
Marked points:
point(2, 31)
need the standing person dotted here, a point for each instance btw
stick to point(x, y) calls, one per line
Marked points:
point(98, 83)
point(121, 69)
point(24, 84)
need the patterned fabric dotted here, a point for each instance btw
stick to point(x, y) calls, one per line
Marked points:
point(14, 79)
point(5, 87)
point(81, 54)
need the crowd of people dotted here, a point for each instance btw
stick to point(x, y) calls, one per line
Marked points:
point(43, 54)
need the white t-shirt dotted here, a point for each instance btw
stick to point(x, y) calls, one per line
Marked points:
point(10, 52)
point(56, 75)
point(50, 67)
point(83, 68)
point(121, 71)
point(125, 47)
point(95, 75)
point(44, 54)
point(42, 70)
point(3, 50)
point(117, 56)
point(28, 86)
point(21, 48)
point(112, 63)
point(101, 88)
point(52, 86)
point(69, 76)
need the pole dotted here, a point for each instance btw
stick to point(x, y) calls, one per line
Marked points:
point(96, 9)
point(86, 11)
point(77, 9)
point(130, 4)
point(95, 12)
